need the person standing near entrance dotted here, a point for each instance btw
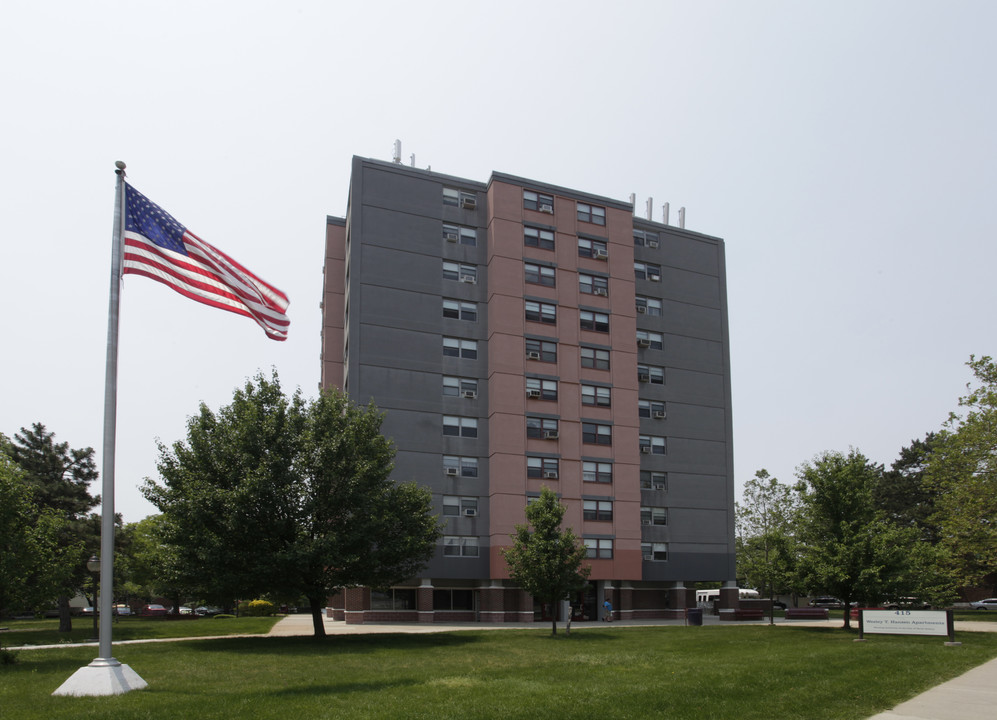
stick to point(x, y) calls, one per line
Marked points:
point(608, 607)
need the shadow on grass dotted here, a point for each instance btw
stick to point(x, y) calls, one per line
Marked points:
point(334, 689)
point(333, 644)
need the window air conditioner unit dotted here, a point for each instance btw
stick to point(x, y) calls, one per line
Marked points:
point(645, 522)
point(550, 434)
point(643, 377)
point(658, 415)
point(654, 278)
point(645, 449)
point(470, 512)
point(532, 393)
point(546, 208)
point(658, 486)
point(648, 557)
point(451, 470)
point(600, 254)
point(468, 279)
point(642, 309)
point(451, 237)
point(652, 243)
point(643, 342)
point(470, 394)
point(601, 291)
point(468, 203)
point(551, 475)
point(533, 355)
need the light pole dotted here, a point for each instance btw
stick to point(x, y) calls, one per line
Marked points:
point(93, 565)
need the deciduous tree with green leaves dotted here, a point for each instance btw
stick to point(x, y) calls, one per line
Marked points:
point(764, 523)
point(847, 548)
point(276, 495)
point(962, 470)
point(545, 560)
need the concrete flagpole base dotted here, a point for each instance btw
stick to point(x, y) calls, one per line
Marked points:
point(104, 676)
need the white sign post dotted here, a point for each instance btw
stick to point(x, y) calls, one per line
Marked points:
point(907, 622)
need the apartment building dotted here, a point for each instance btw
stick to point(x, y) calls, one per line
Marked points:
point(519, 334)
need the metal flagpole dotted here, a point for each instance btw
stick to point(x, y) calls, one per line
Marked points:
point(105, 675)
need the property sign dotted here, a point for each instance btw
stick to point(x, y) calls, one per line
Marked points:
point(905, 622)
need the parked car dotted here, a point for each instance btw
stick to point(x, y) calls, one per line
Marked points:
point(906, 603)
point(205, 610)
point(88, 611)
point(778, 604)
point(827, 602)
point(153, 611)
point(122, 610)
point(985, 604)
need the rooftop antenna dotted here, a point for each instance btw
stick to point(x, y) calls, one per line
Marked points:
point(664, 213)
point(682, 217)
point(650, 208)
point(396, 155)
point(412, 159)
point(633, 200)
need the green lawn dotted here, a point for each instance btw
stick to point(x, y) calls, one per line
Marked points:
point(46, 632)
point(743, 672)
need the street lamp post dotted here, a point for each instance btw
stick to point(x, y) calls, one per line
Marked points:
point(93, 565)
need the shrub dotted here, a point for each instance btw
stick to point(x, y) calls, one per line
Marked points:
point(258, 608)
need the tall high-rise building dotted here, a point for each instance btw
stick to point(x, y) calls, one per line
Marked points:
point(518, 334)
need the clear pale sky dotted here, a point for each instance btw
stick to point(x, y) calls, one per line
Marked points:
point(845, 151)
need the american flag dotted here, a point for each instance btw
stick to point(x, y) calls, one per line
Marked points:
point(159, 247)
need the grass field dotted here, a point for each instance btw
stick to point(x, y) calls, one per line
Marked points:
point(747, 672)
point(46, 632)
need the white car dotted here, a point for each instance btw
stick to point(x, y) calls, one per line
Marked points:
point(985, 604)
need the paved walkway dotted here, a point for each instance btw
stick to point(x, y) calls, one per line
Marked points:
point(971, 696)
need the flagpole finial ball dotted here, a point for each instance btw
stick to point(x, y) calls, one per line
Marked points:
point(120, 165)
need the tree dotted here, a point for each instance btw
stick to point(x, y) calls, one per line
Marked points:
point(59, 477)
point(764, 534)
point(962, 470)
point(30, 554)
point(273, 495)
point(546, 561)
point(902, 493)
point(847, 548)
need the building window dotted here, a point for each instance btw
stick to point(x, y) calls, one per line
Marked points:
point(460, 198)
point(454, 426)
point(444, 599)
point(654, 551)
point(645, 238)
point(599, 472)
point(545, 468)
point(541, 312)
point(538, 201)
point(647, 271)
point(457, 506)
point(653, 480)
point(539, 274)
point(651, 374)
point(460, 546)
point(593, 284)
point(458, 347)
point(591, 213)
point(462, 466)
point(460, 234)
point(460, 387)
point(651, 409)
point(596, 395)
point(595, 358)
point(393, 599)
point(542, 350)
point(460, 271)
point(650, 340)
point(597, 434)
point(653, 516)
point(541, 389)
point(648, 305)
point(535, 237)
point(653, 445)
point(592, 249)
point(598, 548)
point(460, 310)
point(541, 428)
point(599, 510)
point(599, 322)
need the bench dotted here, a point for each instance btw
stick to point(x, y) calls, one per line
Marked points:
point(806, 614)
point(752, 614)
